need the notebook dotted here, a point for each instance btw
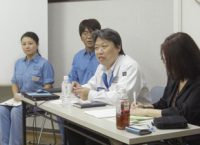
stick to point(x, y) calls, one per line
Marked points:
point(54, 90)
point(89, 104)
point(39, 96)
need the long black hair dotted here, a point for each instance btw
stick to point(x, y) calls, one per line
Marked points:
point(181, 55)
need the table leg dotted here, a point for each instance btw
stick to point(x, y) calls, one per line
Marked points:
point(65, 133)
point(24, 122)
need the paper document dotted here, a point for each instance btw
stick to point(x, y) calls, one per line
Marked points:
point(137, 119)
point(140, 118)
point(102, 113)
point(11, 102)
point(58, 101)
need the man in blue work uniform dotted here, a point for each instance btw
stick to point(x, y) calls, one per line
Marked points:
point(84, 63)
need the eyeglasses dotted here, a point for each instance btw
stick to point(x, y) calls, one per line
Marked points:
point(86, 34)
point(99, 49)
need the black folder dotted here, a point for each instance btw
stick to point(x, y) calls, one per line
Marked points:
point(35, 96)
point(89, 104)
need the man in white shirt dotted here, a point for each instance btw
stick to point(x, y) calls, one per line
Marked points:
point(116, 74)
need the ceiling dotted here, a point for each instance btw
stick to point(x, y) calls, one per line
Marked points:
point(53, 1)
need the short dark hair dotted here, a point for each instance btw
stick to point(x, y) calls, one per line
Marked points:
point(110, 35)
point(90, 24)
point(32, 35)
point(182, 56)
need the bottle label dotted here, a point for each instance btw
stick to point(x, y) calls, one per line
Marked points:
point(123, 106)
point(66, 92)
point(122, 114)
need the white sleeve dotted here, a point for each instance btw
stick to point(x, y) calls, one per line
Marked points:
point(91, 83)
point(128, 78)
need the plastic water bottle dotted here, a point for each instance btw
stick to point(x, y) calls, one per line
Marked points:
point(122, 111)
point(66, 91)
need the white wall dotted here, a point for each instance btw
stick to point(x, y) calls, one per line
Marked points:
point(64, 39)
point(142, 24)
point(191, 19)
point(18, 17)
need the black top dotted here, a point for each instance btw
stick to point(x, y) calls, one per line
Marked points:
point(187, 103)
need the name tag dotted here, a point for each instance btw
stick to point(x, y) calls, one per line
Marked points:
point(35, 78)
point(124, 73)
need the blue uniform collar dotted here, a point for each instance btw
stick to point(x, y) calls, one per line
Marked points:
point(34, 59)
point(91, 53)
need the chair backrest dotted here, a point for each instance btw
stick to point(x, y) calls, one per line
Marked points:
point(156, 93)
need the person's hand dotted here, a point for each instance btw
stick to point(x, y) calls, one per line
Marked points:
point(18, 96)
point(141, 105)
point(138, 111)
point(82, 92)
point(75, 85)
point(137, 105)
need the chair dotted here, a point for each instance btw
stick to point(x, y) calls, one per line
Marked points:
point(156, 93)
point(45, 115)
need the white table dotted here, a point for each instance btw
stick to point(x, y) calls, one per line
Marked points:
point(106, 127)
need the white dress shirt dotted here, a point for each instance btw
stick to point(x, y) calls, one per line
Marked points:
point(124, 74)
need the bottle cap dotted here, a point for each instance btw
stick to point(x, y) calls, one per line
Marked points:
point(124, 94)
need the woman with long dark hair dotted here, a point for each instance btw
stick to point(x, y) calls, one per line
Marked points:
point(181, 57)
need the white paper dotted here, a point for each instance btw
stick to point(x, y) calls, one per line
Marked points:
point(58, 101)
point(102, 113)
point(11, 102)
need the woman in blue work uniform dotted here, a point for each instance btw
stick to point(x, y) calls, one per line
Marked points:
point(31, 73)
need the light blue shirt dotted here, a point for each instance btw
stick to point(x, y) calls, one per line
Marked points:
point(31, 75)
point(83, 67)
